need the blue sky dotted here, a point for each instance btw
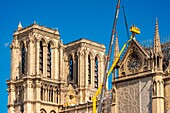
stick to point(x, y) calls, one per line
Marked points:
point(91, 19)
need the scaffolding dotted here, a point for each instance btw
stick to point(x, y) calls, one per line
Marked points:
point(165, 46)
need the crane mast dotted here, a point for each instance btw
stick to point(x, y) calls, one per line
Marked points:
point(108, 58)
point(134, 30)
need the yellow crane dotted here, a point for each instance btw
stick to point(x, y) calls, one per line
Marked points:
point(134, 31)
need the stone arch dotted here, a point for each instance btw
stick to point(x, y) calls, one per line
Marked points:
point(43, 110)
point(99, 57)
point(161, 87)
point(22, 44)
point(52, 43)
point(44, 41)
point(154, 88)
point(52, 111)
point(69, 55)
point(91, 53)
point(114, 95)
point(70, 67)
point(158, 87)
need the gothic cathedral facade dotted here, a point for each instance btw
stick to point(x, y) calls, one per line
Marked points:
point(143, 81)
point(48, 76)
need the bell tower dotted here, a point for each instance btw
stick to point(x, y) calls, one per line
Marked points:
point(34, 60)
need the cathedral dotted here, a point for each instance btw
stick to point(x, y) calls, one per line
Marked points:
point(48, 76)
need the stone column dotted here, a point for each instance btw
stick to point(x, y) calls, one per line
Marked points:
point(15, 59)
point(44, 93)
point(86, 68)
point(47, 94)
point(92, 72)
point(53, 62)
point(38, 96)
point(11, 98)
point(29, 96)
point(61, 69)
point(167, 94)
point(30, 56)
point(54, 95)
point(56, 64)
point(45, 60)
point(158, 97)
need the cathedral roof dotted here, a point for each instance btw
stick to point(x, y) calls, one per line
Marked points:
point(84, 40)
point(36, 26)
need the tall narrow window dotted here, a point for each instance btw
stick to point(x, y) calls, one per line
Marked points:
point(89, 70)
point(42, 93)
point(23, 55)
point(49, 61)
point(70, 68)
point(77, 71)
point(158, 62)
point(57, 93)
point(41, 58)
point(52, 95)
point(96, 73)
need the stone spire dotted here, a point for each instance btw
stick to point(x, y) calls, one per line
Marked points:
point(157, 44)
point(116, 47)
point(19, 26)
point(158, 56)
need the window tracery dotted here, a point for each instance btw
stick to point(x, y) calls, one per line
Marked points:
point(134, 62)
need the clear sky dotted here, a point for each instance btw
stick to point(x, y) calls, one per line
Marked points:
point(91, 19)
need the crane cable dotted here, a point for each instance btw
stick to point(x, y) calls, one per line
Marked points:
point(126, 24)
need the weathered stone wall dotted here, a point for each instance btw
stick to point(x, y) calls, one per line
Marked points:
point(134, 96)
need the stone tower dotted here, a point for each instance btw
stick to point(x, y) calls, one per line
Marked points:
point(48, 76)
point(158, 83)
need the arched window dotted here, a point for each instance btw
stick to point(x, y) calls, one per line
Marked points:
point(43, 111)
point(52, 111)
point(158, 62)
point(154, 89)
point(23, 56)
point(89, 70)
point(49, 61)
point(57, 93)
point(96, 73)
point(42, 93)
point(41, 58)
point(70, 68)
point(52, 95)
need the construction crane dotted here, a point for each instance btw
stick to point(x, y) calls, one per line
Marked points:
point(108, 71)
point(102, 87)
point(134, 31)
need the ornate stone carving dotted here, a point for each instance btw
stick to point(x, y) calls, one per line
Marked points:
point(15, 44)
